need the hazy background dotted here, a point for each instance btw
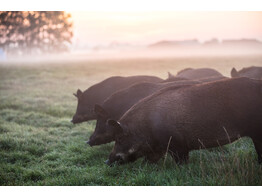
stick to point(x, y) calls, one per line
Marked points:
point(151, 34)
point(131, 34)
point(100, 28)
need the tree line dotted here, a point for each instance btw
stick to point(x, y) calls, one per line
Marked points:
point(35, 32)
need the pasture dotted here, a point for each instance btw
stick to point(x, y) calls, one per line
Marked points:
point(40, 146)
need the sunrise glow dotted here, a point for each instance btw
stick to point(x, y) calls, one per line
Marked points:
point(96, 28)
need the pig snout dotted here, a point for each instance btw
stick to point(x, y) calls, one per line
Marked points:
point(90, 143)
point(77, 119)
point(108, 163)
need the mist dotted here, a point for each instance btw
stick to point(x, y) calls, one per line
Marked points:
point(125, 35)
point(163, 49)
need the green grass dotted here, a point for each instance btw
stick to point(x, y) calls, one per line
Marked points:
point(40, 146)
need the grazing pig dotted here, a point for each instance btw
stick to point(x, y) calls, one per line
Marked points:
point(196, 74)
point(99, 92)
point(118, 103)
point(200, 116)
point(249, 72)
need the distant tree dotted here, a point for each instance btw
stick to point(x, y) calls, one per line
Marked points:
point(35, 32)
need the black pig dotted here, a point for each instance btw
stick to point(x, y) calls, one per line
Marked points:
point(118, 103)
point(249, 72)
point(195, 74)
point(99, 92)
point(201, 116)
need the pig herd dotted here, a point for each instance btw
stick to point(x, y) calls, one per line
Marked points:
point(148, 117)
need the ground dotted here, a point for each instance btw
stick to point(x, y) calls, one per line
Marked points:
point(40, 146)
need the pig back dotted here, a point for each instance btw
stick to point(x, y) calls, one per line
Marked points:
point(211, 113)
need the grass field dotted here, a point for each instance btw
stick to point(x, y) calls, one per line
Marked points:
point(40, 146)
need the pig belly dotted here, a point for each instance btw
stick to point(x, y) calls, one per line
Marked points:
point(213, 139)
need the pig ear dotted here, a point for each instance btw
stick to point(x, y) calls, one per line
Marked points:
point(99, 110)
point(115, 126)
point(78, 94)
point(170, 75)
point(234, 73)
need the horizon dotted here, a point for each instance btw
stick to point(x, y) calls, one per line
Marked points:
point(144, 28)
point(114, 34)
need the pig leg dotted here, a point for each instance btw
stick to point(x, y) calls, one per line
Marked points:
point(178, 149)
point(258, 147)
point(178, 152)
point(179, 157)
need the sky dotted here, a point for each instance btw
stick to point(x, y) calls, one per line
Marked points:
point(145, 27)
